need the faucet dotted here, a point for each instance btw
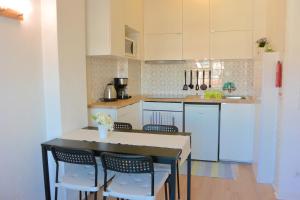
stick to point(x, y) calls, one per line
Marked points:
point(229, 86)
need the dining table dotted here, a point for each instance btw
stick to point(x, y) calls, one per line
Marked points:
point(162, 147)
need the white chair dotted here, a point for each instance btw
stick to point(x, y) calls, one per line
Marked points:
point(81, 171)
point(135, 178)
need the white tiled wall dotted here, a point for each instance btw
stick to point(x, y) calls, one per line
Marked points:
point(168, 78)
point(102, 69)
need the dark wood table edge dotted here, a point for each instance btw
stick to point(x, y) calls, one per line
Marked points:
point(141, 131)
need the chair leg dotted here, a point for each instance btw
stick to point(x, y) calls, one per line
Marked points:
point(85, 194)
point(95, 195)
point(55, 193)
point(166, 191)
point(80, 195)
point(178, 186)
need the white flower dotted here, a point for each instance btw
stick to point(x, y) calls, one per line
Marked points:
point(104, 119)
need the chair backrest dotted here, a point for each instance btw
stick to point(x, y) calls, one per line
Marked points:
point(122, 126)
point(74, 156)
point(127, 164)
point(160, 128)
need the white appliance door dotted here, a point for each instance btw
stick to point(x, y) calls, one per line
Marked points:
point(203, 123)
point(163, 118)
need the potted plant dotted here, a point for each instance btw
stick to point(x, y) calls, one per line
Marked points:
point(262, 42)
point(105, 123)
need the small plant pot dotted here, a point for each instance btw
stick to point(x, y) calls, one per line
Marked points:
point(103, 131)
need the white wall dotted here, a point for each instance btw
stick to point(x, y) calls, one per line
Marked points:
point(288, 159)
point(64, 66)
point(22, 126)
point(72, 63)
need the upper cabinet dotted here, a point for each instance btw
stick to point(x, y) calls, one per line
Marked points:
point(105, 27)
point(134, 16)
point(162, 16)
point(231, 45)
point(110, 22)
point(163, 29)
point(231, 29)
point(231, 15)
point(195, 29)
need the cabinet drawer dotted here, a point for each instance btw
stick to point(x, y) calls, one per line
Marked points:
point(163, 106)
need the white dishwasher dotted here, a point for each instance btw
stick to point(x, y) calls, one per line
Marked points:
point(163, 113)
point(202, 121)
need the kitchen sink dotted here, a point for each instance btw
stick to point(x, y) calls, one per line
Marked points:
point(234, 97)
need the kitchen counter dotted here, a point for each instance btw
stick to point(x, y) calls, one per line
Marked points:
point(189, 99)
point(196, 99)
point(116, 104)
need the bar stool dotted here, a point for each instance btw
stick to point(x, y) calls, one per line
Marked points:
point(81, 172)
point(164, 167)
point(135, 178)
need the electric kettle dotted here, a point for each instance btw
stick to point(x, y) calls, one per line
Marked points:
point(110, 93)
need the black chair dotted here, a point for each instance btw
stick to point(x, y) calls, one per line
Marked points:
point(169, 129)
point(132, 180)
point(78, 172)
point(122, 126)
point(160, 128)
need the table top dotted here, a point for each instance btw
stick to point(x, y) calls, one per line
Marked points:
point(160, 154)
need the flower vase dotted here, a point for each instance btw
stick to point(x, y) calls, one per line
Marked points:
point(102, 130)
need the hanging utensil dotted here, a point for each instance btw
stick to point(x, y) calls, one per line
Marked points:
point(185, 87)
point(191, 80)
point(197, 85)
point(203, 86)
point(209, 84)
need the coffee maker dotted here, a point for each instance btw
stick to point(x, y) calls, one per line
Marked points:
point(121, 88)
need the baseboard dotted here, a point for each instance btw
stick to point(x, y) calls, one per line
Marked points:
point(285, 196)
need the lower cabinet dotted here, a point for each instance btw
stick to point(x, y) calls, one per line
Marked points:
point(202, 121)
point(237, 132)
point(129, 114)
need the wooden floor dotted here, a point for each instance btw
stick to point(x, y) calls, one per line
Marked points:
point(244, 188)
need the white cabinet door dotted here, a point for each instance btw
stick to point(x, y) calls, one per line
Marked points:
point(203, 122)
point(163, 46)
point(134, 16)
point(231, 15)
point(237, 132)
point(163, 118)
point(231, 45)
point(130, 114)
point(195, 29)
point(105, 27)
point(162, 16)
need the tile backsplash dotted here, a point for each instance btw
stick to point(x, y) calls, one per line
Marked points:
point(102, 69)
point(168, 78)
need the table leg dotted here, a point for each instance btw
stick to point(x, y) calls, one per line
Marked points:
point(189, 169)
point(46, 173)
point(172, 184)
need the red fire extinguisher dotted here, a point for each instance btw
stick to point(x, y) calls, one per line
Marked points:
point(278, 75)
